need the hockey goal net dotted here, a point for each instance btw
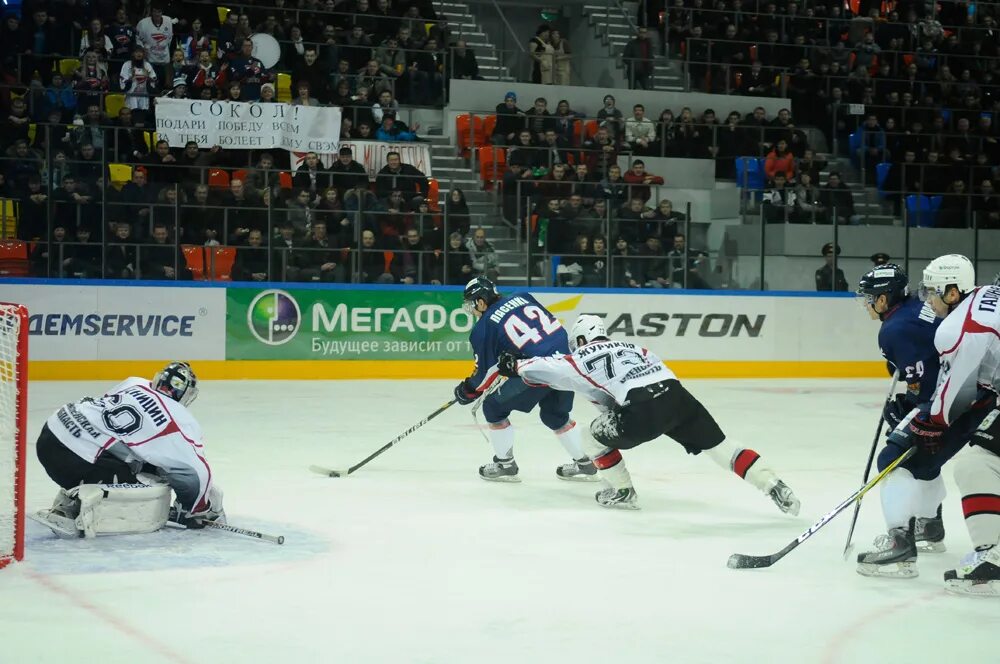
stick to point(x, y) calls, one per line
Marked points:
point(13, 420)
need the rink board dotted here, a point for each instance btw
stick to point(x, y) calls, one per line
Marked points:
point(95, 330)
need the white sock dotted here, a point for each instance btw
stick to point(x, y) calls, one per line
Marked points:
point(899, 497)
point(570, 438)
point(609, 463)
point(745, 462)
point(502, 437)
point(930, 494)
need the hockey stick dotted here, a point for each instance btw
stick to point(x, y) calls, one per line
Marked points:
point(329, 472)
point(868, 467)
point(276, 539)
point(744, 561)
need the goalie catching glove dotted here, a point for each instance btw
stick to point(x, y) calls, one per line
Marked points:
point(195, 519)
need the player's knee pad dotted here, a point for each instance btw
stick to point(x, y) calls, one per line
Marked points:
point(606, 430)
point(121, 509)
point(977, 470)
point(890, 453)
point(493, 411)
point(553, 420)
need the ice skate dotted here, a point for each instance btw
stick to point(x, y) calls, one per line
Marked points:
point(895, 555)
point(624, 498)
point(977, 574)
point(583, 470)
point(929, 534)
point(501, 470)
point(783, 497)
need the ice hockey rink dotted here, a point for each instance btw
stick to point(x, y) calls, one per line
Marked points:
point(415, 559)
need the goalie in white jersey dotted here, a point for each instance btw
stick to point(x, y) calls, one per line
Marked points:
point(641, 399)
point(118, 457)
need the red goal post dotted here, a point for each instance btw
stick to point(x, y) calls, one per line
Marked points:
point(13, 423)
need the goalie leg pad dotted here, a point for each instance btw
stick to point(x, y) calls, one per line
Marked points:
point(121, 509)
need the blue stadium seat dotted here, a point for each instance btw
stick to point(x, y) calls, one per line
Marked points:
point(922, 210)
point(750, 172)
point(854, 144)
point(881, 173)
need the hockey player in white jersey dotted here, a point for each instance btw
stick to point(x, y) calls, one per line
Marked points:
point(118, 457)
point(640, 399)
point(969, 342)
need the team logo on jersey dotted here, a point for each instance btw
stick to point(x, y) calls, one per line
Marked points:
point(274, 317)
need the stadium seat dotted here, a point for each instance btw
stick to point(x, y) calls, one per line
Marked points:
point(8, 219)
point(218, 178)
point(469, 132)
point(213, 48)
point(32, 133)
point(881, 173)
point(750, 173)
point(922, 210)
point(113, 103)
point(284, 89)
point(434, 194)
point(194, 258)
point(492, 165)
point(67, 66)
point(222, 260)
point(120, 174)
point(854, 144)
point(13, 258)
point(285, 180)
point(489, 125)
point(240, 175)
point(388, 256)
point(223, 12)
point(589, 129)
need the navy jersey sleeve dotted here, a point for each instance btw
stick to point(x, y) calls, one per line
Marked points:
point(485, 347)
point(907, 342)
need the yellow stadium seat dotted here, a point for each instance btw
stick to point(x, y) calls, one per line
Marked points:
point(120, 174)
point(112, 104)
point(8, 219)
point(67, 66)
point(32, 133)
point(284, 91)
point(223, 13)
point(214, 48)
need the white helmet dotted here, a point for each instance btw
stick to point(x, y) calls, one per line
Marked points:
point(588, 326)
point(948, 270)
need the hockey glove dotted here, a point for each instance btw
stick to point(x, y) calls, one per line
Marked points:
point(925, 434)
point(897, 409)
point(507, 364)
point(464, 394)
point(193, 520)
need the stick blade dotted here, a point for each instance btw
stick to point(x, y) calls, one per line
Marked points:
point(743, 561)
point(328, 472)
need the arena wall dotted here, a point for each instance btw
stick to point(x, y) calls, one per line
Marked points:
point(95, 330)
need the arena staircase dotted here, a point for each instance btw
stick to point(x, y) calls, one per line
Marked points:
point(463, 25)
point(614, 25)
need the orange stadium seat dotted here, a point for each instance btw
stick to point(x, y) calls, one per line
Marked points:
point(489, 125)
point(240, 175)
point(194, 258)
point(222, 260)
point(13, 258)
point(285, 180)
point(434, 194)
point(492, 165)
point(218, 178)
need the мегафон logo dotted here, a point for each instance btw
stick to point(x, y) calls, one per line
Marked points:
point(274, 317)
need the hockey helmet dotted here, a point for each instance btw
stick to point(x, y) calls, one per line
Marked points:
point(948, 270)
point(587, 327)
point(889, 280)
point(479, 288)
point(177, 381)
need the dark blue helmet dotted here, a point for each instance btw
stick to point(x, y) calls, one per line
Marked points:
point(480, 288)
point(177, 381)
point(888, 279)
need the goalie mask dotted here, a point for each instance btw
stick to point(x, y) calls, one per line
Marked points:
point(177, 381)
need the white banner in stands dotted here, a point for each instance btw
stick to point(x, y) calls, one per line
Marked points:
point(122, 322)
point(730, 328)
point(371, 155)
point(248, 125)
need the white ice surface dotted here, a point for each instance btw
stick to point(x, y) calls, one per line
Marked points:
point(415, 559)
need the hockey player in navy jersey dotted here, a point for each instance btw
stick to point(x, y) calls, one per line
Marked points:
point(520, 325)
point(911, 496)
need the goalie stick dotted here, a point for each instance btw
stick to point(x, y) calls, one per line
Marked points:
point(276, 539)
point(744, 561)
point(329, 472)
point(868, 467)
